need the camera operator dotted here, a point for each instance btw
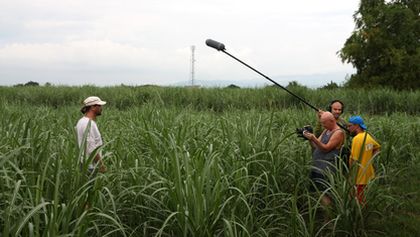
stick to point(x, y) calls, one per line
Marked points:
point(336, 107)
point(326, 150)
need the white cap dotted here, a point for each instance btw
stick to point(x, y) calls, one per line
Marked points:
point(93, 100)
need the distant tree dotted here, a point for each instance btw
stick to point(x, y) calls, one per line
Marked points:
point(149, 85)
point(47, 84)
point(233, 86)
point(31, 83)
point(294, 84)
point(331, 85)
point(385, 45)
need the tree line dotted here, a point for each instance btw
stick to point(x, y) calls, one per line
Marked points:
point(385, 45)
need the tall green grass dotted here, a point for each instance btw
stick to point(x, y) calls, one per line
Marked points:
point(178, 170)
point(372, 101)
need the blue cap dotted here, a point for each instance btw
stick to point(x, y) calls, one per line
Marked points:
point(358, 120)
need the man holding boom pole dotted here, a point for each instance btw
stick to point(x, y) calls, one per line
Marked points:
point(336, 107)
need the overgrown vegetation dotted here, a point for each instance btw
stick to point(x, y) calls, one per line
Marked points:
point(197, 162)
point(371, 101)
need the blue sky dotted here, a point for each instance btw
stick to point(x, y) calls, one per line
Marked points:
point(75, 42)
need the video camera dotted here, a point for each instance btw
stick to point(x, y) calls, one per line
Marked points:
point(300, 131)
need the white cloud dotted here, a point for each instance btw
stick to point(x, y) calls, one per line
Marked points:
point(151, 39)
point(90, 53)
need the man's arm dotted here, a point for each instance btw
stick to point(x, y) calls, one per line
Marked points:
point(98, 160)
point(351, 161)
point(376, 151)
point(336, 139)
point(312, 143)
point(313, 146)
point(376, 147)
point(97, 142)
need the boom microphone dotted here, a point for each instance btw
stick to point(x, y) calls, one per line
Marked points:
point(216, 45)
point(221, 47)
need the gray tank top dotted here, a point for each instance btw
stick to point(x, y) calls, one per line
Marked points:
point(323, 160)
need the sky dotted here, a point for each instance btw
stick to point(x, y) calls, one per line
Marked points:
point(137, 42)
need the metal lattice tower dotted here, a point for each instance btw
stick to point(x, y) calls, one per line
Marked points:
point(192, 65)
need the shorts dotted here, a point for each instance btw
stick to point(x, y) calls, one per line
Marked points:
point(319, 182)
point(360, 193)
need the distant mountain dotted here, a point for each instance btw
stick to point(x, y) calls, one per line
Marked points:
point(223, 83)
point(312, 81)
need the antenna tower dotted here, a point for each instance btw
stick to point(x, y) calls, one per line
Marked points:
point(192, 65)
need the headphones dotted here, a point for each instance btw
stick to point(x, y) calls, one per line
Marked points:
point(334, 101)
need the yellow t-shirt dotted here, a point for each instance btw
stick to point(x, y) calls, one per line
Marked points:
point(365, 171)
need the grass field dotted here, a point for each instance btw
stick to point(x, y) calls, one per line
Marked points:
point(199, 162)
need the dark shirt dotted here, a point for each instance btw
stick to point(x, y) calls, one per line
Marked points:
point(325, 160)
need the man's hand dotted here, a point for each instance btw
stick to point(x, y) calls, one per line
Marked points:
point(308, 135)
point(102, 168)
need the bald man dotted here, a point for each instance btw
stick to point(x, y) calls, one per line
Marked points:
point(326, 150)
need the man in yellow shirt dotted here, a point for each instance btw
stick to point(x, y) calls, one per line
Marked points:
point(363, 149)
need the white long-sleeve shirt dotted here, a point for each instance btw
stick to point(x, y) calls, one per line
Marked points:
point(93, 137)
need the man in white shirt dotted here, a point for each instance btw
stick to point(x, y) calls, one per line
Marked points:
point(88, 135)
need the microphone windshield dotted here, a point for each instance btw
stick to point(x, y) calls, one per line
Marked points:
point(214, 44)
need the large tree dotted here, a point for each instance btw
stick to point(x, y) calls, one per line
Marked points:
point(385, 45)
